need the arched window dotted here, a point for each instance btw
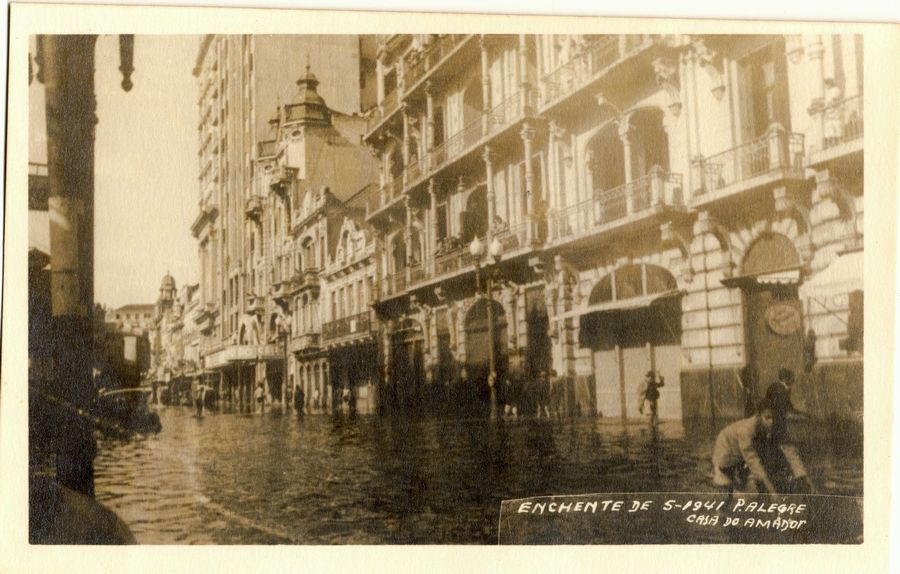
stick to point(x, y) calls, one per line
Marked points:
point(630, 281)
point(770, 252)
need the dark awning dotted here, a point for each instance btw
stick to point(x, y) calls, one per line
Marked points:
point(630, 304)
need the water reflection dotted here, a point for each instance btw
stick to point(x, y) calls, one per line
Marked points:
point(276, 478)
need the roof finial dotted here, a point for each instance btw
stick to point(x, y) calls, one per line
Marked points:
point(307, 64)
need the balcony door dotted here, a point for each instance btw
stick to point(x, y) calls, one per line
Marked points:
point(764, 91)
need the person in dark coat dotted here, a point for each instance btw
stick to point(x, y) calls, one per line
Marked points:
point(783, 452)
point(299, 399)
point(779, 396)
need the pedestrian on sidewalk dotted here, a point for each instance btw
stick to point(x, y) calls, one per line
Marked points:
point(260, 395)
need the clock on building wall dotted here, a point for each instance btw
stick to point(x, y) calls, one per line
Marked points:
point(784, 318)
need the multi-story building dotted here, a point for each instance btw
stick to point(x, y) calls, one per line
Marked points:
point(348, 327)
point(305, 174)
point(241, 80)
point(684, 204)
point(132, 317)
point(175, 339)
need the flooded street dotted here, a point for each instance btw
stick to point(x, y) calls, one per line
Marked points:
point(279, 479)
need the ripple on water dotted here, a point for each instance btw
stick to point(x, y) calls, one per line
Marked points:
point(228, 479)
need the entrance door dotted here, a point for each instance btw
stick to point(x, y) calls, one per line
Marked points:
point(626, 345)
point(775, 332)
point(606, 375)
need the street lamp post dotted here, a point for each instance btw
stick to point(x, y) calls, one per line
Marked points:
point(495, 250)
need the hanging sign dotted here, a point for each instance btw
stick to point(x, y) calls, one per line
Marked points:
point(784, 318)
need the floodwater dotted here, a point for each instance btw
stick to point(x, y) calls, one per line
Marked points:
point(276, 478)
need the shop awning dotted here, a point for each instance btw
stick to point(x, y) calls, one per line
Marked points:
point(844, 275)
point(633, 303)
point(789, 276)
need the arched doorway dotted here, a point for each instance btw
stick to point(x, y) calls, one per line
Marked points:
point(649, 142)
point(478, 349)
point(607, 163)
point(769, 279)
point(473, 221)
point(633, 325)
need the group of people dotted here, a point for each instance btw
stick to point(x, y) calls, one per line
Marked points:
point(757, 453)
point(545, 395)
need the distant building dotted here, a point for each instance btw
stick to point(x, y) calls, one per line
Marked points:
point(175, 339)
point(132, 318)
point(268, 146)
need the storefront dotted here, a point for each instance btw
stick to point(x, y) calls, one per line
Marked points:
point(632, 325)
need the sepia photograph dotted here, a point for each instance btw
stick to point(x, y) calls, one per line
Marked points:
point(470, 288)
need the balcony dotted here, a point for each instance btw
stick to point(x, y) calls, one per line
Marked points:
point(383, 111)
point(282, 178)
point(773, 158)
point(359, 324)
point(393, 285)
point(838, 129)
point(512, 237)
point(265, 149)
point(256, 304)
point(509, 111)
point(385, 196)
point(281, 292)
point(593, 62)
point(419, 64)
point(631, 203)
point(455, 145)
point(206, 317)
point(305, 342)
point(253, 207)
point(307, 279)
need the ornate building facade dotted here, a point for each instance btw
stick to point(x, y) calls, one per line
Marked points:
point(684, 204)
point(252, 166)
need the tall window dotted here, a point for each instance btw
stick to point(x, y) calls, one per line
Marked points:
point(766, 78)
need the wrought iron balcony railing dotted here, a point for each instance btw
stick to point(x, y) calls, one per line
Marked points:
point(418, 64)
point(657, 189)
point(594, 59)
point(840, 122)
point(776, 152)
point(385, 195)
point(509, 111)
point(359, 323)
point(382, 111)
point(455, 144)
point(393, 284)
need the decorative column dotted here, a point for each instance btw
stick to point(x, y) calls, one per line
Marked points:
point(624, 129)
point(432, 225)
point(485, 83)
point(488, 156)
point(429, 112)
point(404, 109)
point(407, 236)
point(816, 53)
point(379, 73)
point(523, 73)
point(528, 134)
